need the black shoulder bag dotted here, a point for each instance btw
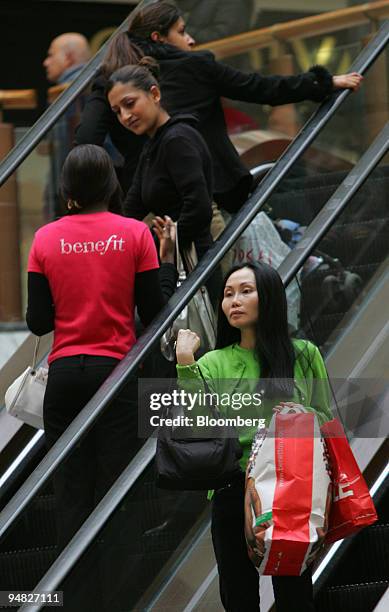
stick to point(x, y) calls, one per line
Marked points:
point(192, 464)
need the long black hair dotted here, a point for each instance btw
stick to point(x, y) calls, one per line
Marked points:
point(123, 50)
point(273, 346)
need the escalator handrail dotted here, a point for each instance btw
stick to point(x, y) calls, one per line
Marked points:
point(84, 420)
point(29, 141)
point(321, 24)
point(84, 537)
point(15, 471)
point(59, 106)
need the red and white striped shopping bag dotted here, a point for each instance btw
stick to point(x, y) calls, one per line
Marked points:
point(288, 494)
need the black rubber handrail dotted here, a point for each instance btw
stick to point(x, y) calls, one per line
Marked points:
point(321, 224)
point(35, 134)
point(85, 419)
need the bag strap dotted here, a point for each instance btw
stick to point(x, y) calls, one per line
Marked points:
point(35, 357)
point(179, 262)
point(214, 411)
point(188, 255)
point(295, 410)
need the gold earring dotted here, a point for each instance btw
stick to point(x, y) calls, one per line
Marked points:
point(73, 204)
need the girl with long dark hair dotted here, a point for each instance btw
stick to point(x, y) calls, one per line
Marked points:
point(192, 81)
point(253, 346)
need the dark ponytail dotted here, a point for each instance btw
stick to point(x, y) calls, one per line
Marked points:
point(151, 65)
point(157, 17)
point(121, 52)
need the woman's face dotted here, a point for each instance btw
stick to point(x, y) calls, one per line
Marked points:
point(137, 110)
point(240, 301)
point(178, 37)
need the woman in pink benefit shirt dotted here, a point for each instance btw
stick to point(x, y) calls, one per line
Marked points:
point(86, 273)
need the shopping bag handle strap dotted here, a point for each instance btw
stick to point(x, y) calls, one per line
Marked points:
point(294, 410)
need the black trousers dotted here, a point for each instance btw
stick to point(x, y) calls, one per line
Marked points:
point(94, 464)
point(238, 578)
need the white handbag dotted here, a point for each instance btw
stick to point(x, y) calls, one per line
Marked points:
point(24, 398)
point(198, 315)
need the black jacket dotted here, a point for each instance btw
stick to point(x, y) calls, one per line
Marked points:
point(194, 82)
point(174, 177)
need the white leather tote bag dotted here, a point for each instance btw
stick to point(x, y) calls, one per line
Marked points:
point(24, 398)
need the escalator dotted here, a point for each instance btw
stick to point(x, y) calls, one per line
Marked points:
point(357, 349)
point(138, 538)
point(31, 166)
point(189, 582)
point(143, 560)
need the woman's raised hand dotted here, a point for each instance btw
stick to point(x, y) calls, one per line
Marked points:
point(187, 344)
point(352, 80)
point(166, 232)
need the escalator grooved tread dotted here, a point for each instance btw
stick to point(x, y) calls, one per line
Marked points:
point(21, 570)
point(352, 597)
point(36, 528)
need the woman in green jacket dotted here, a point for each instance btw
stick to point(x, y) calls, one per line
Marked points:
point(254, 353)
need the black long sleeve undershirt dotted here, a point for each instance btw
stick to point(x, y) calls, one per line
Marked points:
point(40, 308)
point(153, 288)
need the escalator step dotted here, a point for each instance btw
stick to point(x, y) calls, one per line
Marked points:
point(351, 598)
point(21, 570)
point(355, 241)
point(35, 528)
point(367, 559)
point(374, 545)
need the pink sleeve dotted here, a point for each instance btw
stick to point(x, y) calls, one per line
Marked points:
point(34, 265)
point(147, 258)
